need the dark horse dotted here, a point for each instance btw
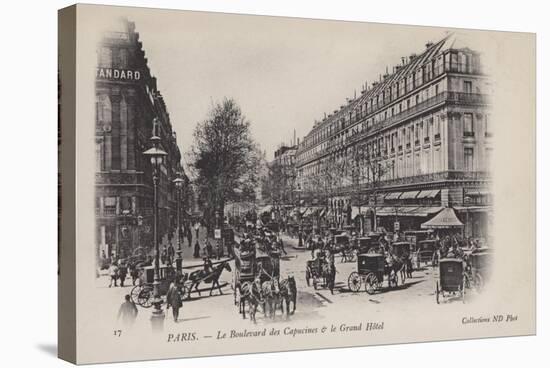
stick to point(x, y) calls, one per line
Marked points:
point(288, 292)
point(210, 276)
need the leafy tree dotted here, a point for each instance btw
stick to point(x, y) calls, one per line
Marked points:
point(224, 159)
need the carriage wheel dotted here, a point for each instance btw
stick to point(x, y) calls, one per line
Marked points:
point(134, 293)
point(145, 297)
point(308, 275)
point(371, 283)
point(354, 282)
point(437, 292)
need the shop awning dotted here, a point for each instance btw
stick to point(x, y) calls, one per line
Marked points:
point(408, 211)
point(409, 195)
point(428, 193)
point(443, 220)
point(393, 195)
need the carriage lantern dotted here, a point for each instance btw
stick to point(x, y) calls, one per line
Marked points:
point(156, 155)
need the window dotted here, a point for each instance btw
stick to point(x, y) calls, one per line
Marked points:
point(468, 125)
point(103, 111)
point(437, 135)
point(467, 87)
point(110, 206)
point(98, 156)
point(468, 159)
point(436, 89)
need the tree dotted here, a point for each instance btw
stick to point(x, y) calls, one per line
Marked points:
point(367, 170)
point(224, 159)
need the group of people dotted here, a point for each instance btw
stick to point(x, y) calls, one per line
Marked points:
point(118, 271)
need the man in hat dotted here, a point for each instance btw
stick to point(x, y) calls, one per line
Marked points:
point(127, 311)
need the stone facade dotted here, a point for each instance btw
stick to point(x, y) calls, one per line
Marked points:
point(127, 101)
point(419, 137)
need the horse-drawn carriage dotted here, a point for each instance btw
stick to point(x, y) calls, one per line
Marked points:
point(345, 247)
point(426, 252)
point(452, 278)
point(320, 272)
point(372, 268)
point(250, 265)
point(142, 293)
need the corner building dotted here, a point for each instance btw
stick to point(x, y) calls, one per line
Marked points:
point(427, 126)
point(127, 102)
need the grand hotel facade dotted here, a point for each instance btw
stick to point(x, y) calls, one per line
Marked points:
point(127, 103)
point(426, 127)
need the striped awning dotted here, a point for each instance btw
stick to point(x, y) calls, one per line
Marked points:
point(393, 195)
point(409, 195)
point(428, 193)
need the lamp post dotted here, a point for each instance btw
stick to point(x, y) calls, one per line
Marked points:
point(156, 155)
point(178, 182)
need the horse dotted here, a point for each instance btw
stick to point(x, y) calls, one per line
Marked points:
point(249, 292)
point(271, 296)
point(288, 292)
point(208, 277)
point(254, 298)
point(394, 267)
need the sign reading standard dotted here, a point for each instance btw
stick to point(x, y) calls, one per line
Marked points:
point(118, 74)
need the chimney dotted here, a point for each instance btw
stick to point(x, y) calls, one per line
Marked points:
point(403, 59)
point(411, 57)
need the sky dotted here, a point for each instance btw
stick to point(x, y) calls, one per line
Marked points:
point(283, 72)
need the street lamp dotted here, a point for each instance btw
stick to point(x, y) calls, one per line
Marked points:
point(156, 155)
point(178, 182)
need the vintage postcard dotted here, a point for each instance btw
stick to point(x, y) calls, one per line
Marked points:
point(235, 184)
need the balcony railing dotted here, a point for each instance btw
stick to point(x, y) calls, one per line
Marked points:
point(417, 179)
point(456, 98)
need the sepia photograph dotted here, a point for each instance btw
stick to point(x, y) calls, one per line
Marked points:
point(269, 183)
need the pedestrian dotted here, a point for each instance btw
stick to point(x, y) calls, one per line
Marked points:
point(219, 250)
point(163, 255)
point(127, 311)
point(208, 248)
point(171, 253)
point(197, 250)
point(197, 228)
point(122, 272)
point(134, 273)
point(173, 299)
point(113, 273)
